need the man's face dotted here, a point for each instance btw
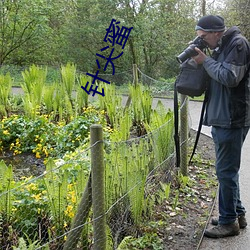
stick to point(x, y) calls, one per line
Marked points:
point(211, 38)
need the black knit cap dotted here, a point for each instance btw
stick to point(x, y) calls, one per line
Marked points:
point(210, 23)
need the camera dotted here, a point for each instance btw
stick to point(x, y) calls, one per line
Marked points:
point(190, 51)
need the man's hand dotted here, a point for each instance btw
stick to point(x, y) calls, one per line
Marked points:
point(200, 58)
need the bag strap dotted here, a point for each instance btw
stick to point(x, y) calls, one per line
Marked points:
point(199, 127)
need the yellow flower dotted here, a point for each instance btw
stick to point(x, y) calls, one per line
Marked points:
point(31, 187)
point(38, 155)
point(6, 132)
point(14, 209)
point(69, 211)
point(12, 145)
point(37, 196)
point(103, 112)
point(45, 151)
point(73, 199)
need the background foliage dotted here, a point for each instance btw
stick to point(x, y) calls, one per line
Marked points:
point(49, 32)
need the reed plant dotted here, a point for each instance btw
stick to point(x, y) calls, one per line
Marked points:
point(122, 130)
point(5, 90)
point(56, 184)
point(141, 105)
point(34, 80)
point(161, 132)
point(126, 172)
point(58, 103)
point(137, 179)
point(68, 74)
point(48, 97)
point(82, 97)
point(113, 108)
point(6, 196)
point(56, 187)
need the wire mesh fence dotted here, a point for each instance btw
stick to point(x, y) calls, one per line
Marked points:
point(56, 209)
point(42, 210)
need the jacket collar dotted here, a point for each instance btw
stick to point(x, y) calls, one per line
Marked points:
point(231, 32)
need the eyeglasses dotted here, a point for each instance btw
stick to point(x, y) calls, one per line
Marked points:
point(203, 36)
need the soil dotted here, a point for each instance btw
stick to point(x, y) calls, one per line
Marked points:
point(187, 222)
point(25, 164)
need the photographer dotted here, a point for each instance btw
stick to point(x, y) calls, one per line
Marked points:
point(228, 112)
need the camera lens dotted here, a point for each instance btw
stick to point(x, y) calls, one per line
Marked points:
point(190, 51)
point(187, 53)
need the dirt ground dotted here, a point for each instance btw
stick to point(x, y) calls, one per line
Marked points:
point(187, 222)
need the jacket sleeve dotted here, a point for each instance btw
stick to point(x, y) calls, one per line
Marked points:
point(234, 66)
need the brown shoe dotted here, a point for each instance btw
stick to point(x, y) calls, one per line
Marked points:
point(241, 219)
point(221, 231)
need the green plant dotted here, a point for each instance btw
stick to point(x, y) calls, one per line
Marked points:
point(30, 208)
point(23, 246)
point(141, 104)
point(114, 107)
point(33, 86)
point(56, 187)
point(164, 191)
point(176, 199)
point(6, 184)
point(161, 128)
point(121, 131)
point(82, 97)
point(126, 172)
point(48, 98)
point(5, 89)
point(62, 104)
point(184, 181)
point(147, 241)
point(45, 138)
point(68, 74)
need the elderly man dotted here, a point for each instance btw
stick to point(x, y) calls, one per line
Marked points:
point(228, 112)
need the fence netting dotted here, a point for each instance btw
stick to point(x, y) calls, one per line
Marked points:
point(47, 204)
point(53, 210)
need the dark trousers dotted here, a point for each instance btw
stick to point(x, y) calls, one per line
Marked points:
point(228, 145)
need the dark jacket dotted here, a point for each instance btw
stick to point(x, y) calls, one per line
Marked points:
point(229, 90)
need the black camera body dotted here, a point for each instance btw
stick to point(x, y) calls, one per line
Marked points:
point(190, 51)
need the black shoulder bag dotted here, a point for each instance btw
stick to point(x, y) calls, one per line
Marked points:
point(191, 81)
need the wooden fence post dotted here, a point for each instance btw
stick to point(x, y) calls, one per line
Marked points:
point(98, 194)
point(135, 74)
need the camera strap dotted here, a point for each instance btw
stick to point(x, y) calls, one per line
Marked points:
point(176, 127)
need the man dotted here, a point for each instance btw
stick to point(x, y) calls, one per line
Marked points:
point(228, 112)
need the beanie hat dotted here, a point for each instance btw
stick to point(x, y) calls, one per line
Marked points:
point(210, 23)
